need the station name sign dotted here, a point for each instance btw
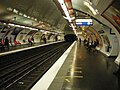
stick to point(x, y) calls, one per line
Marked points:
point(84, 22)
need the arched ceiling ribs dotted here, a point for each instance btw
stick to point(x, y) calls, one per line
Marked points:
point(88, 34)
point(96, 34)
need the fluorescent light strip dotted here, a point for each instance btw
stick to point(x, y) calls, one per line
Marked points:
point(65, 9)
point(89, 5)
point(14, 25)
point(62, 3)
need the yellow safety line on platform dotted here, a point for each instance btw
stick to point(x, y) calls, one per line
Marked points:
point(74, 76)
point(76, 67)
point(76, 71)
point(67, 80)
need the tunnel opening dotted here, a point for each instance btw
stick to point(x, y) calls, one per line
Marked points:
point(70, 37)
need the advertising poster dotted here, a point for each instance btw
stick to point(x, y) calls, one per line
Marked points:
point(112, 14)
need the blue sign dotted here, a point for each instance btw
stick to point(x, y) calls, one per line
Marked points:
point(84, 22)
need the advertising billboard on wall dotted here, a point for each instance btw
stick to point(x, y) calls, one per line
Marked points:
point(112, 14)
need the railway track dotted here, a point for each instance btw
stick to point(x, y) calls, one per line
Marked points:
point(23, 74)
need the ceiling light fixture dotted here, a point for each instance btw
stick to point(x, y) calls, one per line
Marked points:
point(91, 7)
point(20, 26)
point(65, 9)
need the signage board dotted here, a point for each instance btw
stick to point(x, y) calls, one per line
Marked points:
point(84, 22)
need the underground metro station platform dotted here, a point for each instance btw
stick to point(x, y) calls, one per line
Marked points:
point(59, 44)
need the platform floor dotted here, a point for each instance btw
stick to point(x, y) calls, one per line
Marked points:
point(17, 48)
point(84, 70)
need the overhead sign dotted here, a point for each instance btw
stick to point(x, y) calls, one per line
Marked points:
point(84, 22)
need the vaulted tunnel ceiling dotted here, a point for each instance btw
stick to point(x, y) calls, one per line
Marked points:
point(42, 10)
point(47, 14)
